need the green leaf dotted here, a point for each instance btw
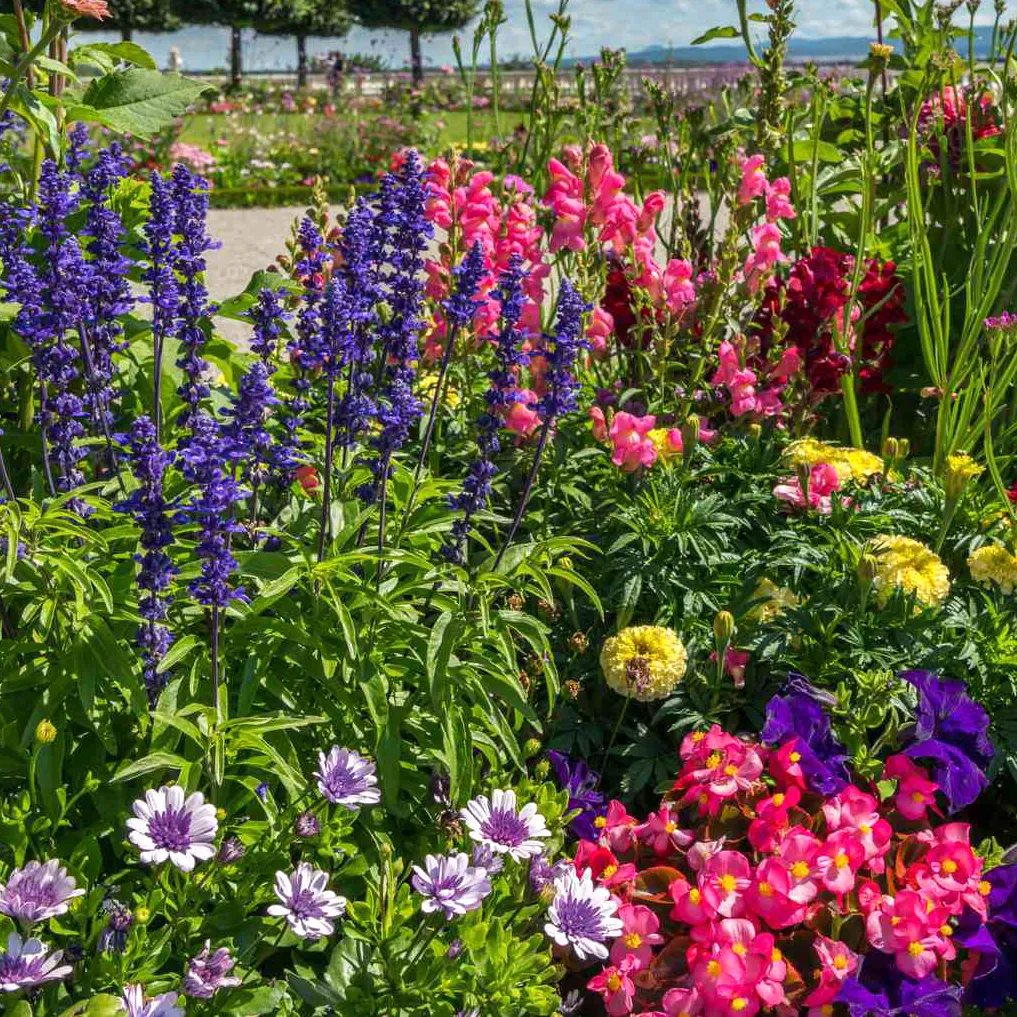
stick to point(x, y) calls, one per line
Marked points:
point(439, 650)
point(458, 748)
point(718, 32)
point(103, 1005)
point(107, 54)
point(153, 761)
point(137, 101)
point(238, 306)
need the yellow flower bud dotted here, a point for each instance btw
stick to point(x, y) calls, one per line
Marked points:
point(724, 627)
point(45, 732)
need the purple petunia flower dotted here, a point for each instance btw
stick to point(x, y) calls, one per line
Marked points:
point(581, 783)
point(136, 1005)
point(798, 715)
point(951, 733)
point(498, 825)
point(880, 989)
point(582, 916)
point(346, 778)
point(167, 826)
point(450, 884)
point(209, 972)
point(306, 902)
point(28, 963)
point(38, 892)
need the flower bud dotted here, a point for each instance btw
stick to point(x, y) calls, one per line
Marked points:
point(867, 568)
point(542, 769)
point(891, 449)
point(755, 430)
point(45, 732)
point(904, 446)
point(142, 915)
point(579, 642)
point(220, 814)
point(531, 747)
point(307, 825)
point(572, 689)
point(690, 433)
point(960, 469)
point(724, 627)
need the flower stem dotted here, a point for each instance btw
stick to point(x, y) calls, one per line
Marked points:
point(22, 67)
point(326, 498)
point(614, 732)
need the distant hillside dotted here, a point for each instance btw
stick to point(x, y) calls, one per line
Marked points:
point(836, 48)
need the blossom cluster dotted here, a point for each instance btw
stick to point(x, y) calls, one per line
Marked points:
point(772, 877)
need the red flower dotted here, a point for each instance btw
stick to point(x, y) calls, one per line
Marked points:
point(86, 8)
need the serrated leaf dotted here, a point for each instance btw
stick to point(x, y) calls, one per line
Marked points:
point(137, 100)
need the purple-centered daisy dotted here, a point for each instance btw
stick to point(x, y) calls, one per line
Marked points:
point(450, 884)
point(28, 962)
point(37, 892)
point(135, 1004)
point(209, 972)
point(582, 916)
point(306, 902)
point(346, 778)
point(497, 825)
point(168, 826)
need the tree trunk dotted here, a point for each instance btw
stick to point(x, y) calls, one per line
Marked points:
point(301, 60)
point(126, 32)
point(416, 61)
point(236, 65)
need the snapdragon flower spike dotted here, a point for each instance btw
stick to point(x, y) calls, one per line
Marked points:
point(190, 211)
point(149, 507)
point(109, 290)
point(401, 213)
point(28, 963)
point(38, 892)
point(205, 457)
point(306, 902)
point(500, 397)
point(450, 885)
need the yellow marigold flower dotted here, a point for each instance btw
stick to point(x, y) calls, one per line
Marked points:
point(994, 564)
point(908, 565)
point(644, 661)
point(960, 468)
point(776, 600)
point(450, 398)
point(667, 441)
point(850, 463)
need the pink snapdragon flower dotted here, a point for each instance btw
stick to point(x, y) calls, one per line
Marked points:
point(778, 203)
point(753, 183)
point(823, 481)
point(632, 447)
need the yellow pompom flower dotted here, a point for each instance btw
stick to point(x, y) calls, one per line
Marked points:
point(450, 397)
point(850, 463)
point(994, 564)
point(960, 469)
point(667, 441)
point(908, 565)
point(775, 601)
point(645, 662)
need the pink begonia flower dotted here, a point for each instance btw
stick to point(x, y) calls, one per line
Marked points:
point(915, 791)
point(640, 934)
point(683, 1002)
point(769, 896)
point(773, 819)
point(616, 987)
point(838, 860)
point(799, 850)
point(689, 905)
point(753, 183)
point(724, 882)
point(617, 827)
point(662, 833)
point(778, 205)
point(598, 424)
point(522, 418)
point(678, 287)
point(600, 330)
point(632, 447)
point(853, 809)
point(823, 481)
point(837, 961)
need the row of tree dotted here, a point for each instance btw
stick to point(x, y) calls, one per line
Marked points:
point(300, 19)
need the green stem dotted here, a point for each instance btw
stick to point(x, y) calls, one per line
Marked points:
point(614, 732)
point(23, 65)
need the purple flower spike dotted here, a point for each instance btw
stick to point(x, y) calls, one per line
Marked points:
point(208, 972)
point(169, 827)
point(450, 885)
point(951, 732)
point(346, 778)
point(306, 902)
point(28, 963)
point(799, 715)
point(38, 892)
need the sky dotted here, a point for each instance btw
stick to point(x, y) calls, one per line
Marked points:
point(634, 24)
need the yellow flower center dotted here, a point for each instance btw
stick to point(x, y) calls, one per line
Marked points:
point(917, 796)
point(800, 870)
point(840, 963)
point(916, 949)
point(703, 799)
point(984, 887)
point(698, 736)
point(841, 860)
point(949, 866)
point(670, 826)
point(895, 920)
point(695, 896)
point(633, 940)
point(739, 1003)
point(778, 799)
point(728, 883)
point(613, 983)
point(600, 822)
point(730, 769)
point(776, 956)
point(826, 1009)
point(865, 828)
point(945, 930)
point(740, 948)
point(609, 871)
point(765, 890)
point(713, 760)
point(795, 757)
point(713, 968)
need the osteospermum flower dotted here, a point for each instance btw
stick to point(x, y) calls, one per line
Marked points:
point(38, 892)
point(209, 972)
point(28, 963)
point(450, 884)
point(994, 564)
point(306, 902)
point(496, 824)
point(582, 916)
point(645, 662)
point(168, 826)
point(910, 566)
point(135, 1004)
point(346, 778)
